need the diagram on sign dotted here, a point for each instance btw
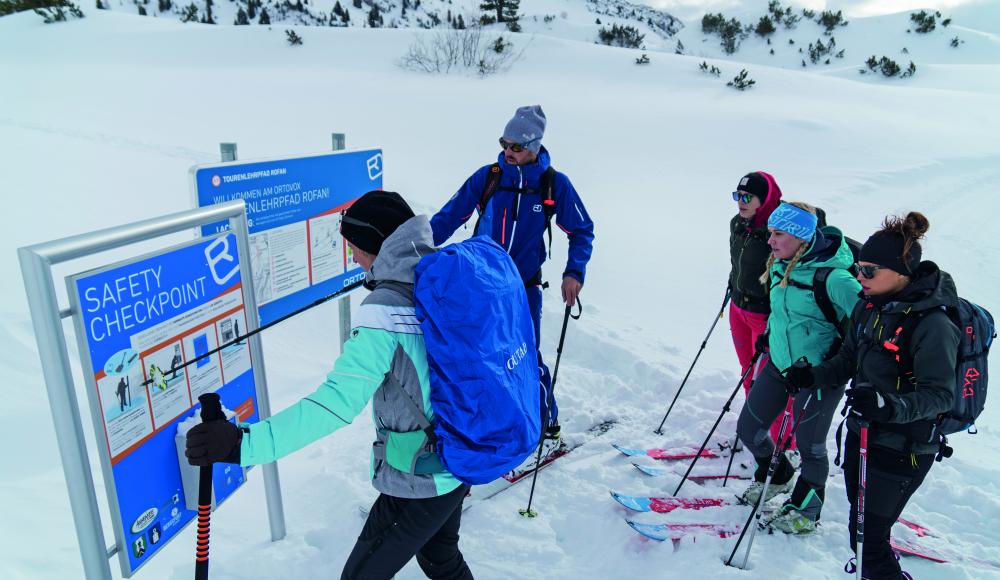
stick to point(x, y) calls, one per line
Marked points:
point(124, 403)
point(168, 390)
point(260, 253)
point(327, 247)
point(235, 356)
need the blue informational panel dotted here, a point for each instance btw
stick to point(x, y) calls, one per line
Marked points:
point(137, 322)
point(294, 208)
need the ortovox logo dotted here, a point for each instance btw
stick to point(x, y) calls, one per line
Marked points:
point(375, 166)
point(517, 357)
point(222, 255)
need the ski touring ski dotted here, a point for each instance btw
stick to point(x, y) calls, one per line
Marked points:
point(665, 505)
point(664, 454)
point(663, 532)
point(918, 546)
point(482, 493)
point(654, 471)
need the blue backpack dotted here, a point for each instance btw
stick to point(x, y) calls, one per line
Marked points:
point(480, 341)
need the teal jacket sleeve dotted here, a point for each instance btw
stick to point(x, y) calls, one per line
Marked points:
point(355, 377)
point(844, 291)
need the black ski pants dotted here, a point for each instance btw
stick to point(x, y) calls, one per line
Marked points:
point(399, 528)
point(893, 476)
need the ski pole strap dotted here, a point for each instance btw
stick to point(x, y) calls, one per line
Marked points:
point(579, 309)
point(840, 432)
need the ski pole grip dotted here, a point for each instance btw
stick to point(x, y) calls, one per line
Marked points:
point(211, 408)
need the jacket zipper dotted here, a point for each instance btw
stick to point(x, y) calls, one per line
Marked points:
point(739, 263)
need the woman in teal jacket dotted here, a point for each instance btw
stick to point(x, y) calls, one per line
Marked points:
point(798, 329)
point(419, 510)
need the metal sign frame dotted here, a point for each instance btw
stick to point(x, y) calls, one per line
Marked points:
point(46, 316)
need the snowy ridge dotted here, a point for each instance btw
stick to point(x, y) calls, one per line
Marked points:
point(103, 117)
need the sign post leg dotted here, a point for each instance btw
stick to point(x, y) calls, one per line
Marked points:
point(51, 339)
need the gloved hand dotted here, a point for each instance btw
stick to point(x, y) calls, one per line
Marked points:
point(761, 344)
point(213, 442)
point(800, 376)
point(869, 404)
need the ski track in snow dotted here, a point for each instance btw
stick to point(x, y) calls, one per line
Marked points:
point(653, 150)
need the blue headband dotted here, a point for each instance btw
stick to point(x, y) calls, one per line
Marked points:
point(793, 220)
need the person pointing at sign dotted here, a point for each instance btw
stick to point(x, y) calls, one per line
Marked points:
point(417, 513)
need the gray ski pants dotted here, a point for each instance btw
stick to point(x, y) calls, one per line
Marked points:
point(767, 400)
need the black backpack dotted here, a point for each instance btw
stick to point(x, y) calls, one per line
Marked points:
point(818, 287)
point(971, 370)
point(544, 191)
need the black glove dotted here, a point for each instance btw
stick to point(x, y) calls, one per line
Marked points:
point(869, 404)
point(213, 442)
point(761, 344)
point(800, 376)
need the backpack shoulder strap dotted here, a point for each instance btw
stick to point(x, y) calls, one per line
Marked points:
point(492, 181)
point(823, 297)
point(548, 201)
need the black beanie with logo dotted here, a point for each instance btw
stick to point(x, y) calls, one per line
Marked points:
point(373, 218)
point(755, 185)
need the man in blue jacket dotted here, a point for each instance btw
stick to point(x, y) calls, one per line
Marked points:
point(516, 199)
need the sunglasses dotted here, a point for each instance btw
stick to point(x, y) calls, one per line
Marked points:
point(515, 147)
point(354, 222)
point(740, 196)
point(869, 271)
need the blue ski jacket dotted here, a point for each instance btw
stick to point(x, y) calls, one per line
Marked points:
point(515, 219)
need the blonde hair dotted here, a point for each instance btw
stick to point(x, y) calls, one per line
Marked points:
point(766, 276)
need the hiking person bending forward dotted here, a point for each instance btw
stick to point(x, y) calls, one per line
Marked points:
point(902, 407)
point(802, 256)
point(516, 198)
point(756, 197)
point(416, 513)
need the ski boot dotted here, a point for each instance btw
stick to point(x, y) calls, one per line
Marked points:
point(800, 514)
point(780, 483)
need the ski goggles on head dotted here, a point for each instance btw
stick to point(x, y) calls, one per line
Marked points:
point(355, 222)
point(515, 147)
point(742, 196)
point(869, 271)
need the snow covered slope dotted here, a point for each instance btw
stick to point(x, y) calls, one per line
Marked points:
point(100, 120)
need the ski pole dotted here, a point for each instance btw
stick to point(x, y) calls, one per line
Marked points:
point(732, 456)
point(725, 301)
point(779, 450)
point(725, 409)
point(550, 398)
point(211, 410)
point(237, 339)
point(862, 488)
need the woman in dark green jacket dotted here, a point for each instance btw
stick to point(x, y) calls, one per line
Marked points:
point(756, 197)
point(798, 329)
point(901, 408)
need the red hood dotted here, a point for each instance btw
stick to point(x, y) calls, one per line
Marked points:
point(773, 198)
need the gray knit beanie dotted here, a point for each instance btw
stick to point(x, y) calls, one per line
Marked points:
point(526, 127)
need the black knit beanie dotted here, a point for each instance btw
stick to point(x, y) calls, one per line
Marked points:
point(373, 218)
point(886, 249)
point(755, 185)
